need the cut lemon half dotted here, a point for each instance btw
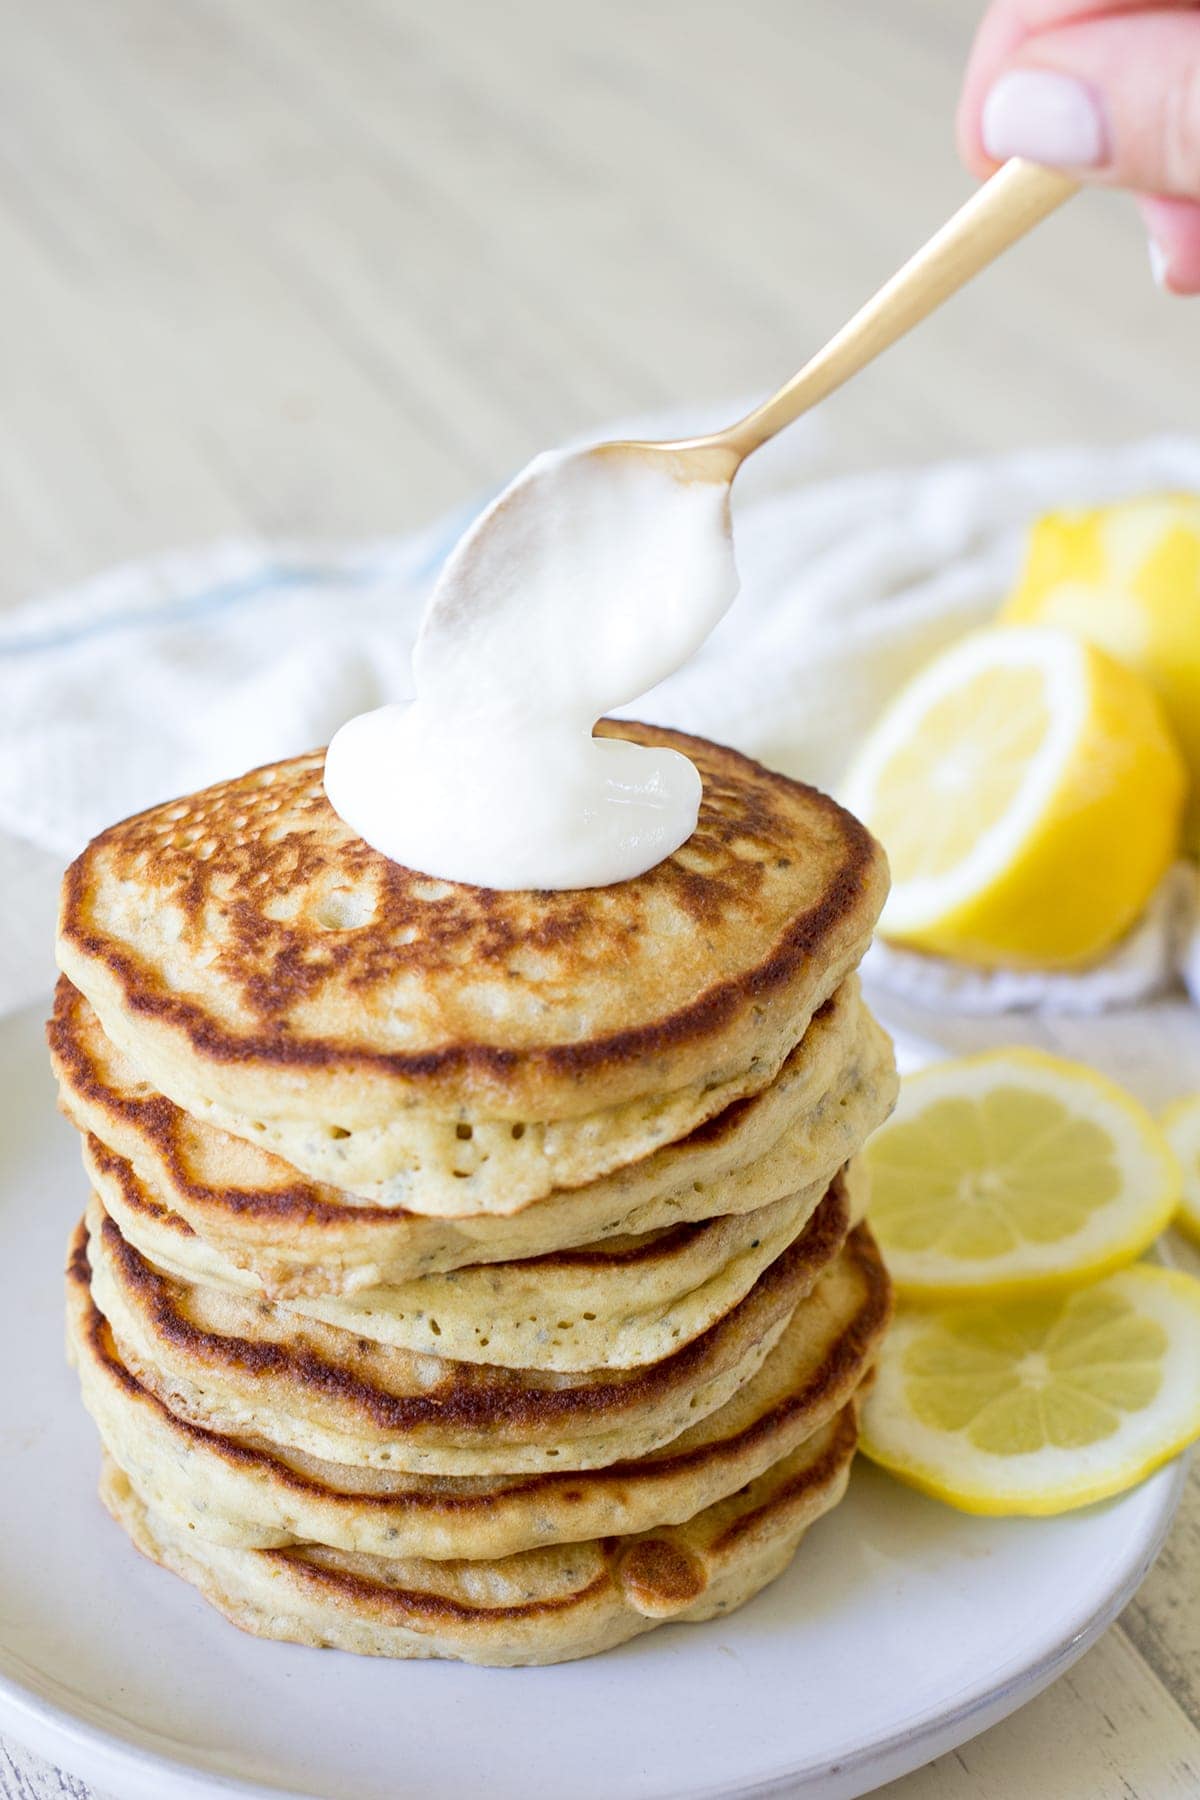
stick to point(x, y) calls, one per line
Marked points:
point(1041, 1405)
point(1127, 578)
point(1013, 1173)
point(1028, 793)
point(1181, 1122)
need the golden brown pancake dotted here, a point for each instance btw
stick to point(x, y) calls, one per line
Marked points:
point(539, 1606)
point(253, 1211)
point(624, 1302)
point(469, 1050)
point(232, 1363)
point(252, 1494)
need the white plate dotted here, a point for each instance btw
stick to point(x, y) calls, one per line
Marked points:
point(901, 1630)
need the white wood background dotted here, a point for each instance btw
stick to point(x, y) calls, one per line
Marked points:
point(326, 267)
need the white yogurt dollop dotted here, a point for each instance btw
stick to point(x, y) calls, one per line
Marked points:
point(593, 576)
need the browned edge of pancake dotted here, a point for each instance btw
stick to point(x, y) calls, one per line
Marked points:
point(300, 1200)
point(663, 1576)
point(846, 1357)
point(647, 1247)
point(658, 1576)
point(145, 994)
point(477, 1396)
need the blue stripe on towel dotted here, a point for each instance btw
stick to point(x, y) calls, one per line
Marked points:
point(186, 607)
point(434, 546)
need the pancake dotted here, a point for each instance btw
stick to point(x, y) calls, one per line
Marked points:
point(255, 1495)
point(232, 1363)
point(538, 1606)
point(250, 1210)
point(621, 1303)
point(450, 1048)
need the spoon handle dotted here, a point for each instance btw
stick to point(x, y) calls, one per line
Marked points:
point(1016, 197)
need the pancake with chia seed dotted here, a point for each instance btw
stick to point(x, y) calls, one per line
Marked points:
point(236, 1363)
point(227, 1206)
point(254, 1494)
point(623, 1302)
point(537, 1606)
point(452, 1049)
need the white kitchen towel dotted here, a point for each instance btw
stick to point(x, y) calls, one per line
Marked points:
point(157, 678)
point(1162, 948)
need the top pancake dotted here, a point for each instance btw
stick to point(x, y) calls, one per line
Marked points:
point(266, 968)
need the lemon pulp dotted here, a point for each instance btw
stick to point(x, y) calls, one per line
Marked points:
point(1049, 1371)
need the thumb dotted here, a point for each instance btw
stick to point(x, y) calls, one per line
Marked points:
point(1116, 99)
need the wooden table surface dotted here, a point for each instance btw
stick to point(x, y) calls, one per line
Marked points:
point(285, 266)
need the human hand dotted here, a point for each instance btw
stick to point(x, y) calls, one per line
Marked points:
point(1108, 89)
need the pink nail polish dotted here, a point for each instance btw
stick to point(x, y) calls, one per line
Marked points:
point(1160, 265)
point(1046, 117)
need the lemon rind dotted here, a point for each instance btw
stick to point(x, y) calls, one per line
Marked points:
point(931, 1296)
point(993, 1505)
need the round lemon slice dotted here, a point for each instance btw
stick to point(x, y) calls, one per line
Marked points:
point(1127, 578)
point(1029, 794)
point(1181, 1122)
point(1041, 1405)
point(1014, 1173)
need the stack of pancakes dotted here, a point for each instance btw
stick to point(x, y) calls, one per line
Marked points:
point(465, 1273)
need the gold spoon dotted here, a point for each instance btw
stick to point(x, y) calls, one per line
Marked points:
point(1016, 198)
point(533, 517)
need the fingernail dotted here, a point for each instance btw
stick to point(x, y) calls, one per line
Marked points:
point(1160, 264)
point(1046, 117)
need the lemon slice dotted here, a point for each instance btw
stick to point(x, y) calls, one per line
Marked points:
point(1127, 578)
point(1028, 793)
point(1041, 1405)
point(1181, 1123)
point(1012, 1173)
